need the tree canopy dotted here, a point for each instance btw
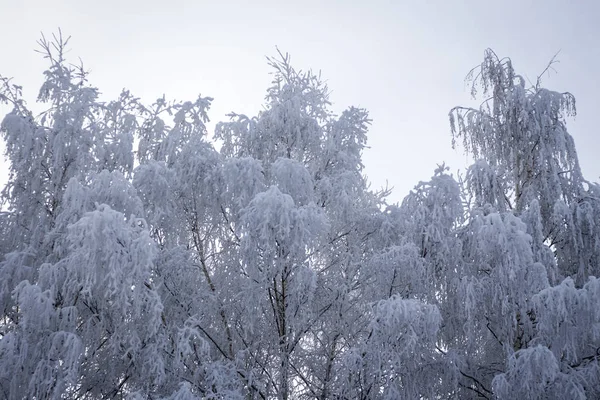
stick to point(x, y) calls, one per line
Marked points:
point(141, 258)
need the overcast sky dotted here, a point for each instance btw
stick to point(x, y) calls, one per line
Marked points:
point(404, 61)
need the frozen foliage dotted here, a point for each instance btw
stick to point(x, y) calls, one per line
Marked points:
point(533, 225)
point(531, 374)
point(401, 341)
point(527, 155)
point(267, 269)
point(93, 309)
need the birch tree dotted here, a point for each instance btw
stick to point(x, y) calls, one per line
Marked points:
point(528, 184)
point(143, 259)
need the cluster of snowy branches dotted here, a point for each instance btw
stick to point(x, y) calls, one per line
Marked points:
point(140, 259)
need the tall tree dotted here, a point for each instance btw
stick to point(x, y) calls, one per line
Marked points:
point(530, 247)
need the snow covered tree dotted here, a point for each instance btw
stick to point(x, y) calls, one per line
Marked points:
point(533, 225)
point(80, 315)
point(527, 155)
point(300, 235)
point(141, 259)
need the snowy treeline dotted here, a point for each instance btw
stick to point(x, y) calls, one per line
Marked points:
point(138, 261)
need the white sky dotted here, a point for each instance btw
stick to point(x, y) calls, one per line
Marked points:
point(405, 61)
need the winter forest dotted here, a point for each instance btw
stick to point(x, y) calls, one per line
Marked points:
point(143, 257)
